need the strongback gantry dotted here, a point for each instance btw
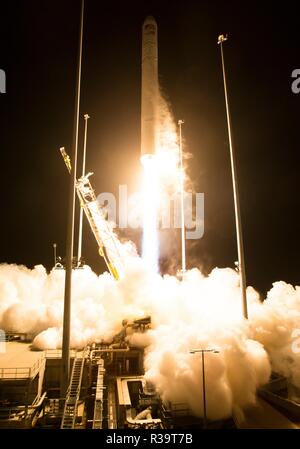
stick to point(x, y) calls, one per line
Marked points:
point(109, 246)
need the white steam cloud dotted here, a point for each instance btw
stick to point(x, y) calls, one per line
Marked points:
point(197, 313)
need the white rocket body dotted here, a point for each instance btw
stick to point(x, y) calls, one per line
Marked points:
point(149, 112)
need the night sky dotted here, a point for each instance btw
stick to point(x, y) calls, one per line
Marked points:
point(38, 51)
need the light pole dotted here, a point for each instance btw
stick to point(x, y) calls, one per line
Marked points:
point(86, 117)
point(54, 249)
point(65, 358)
point(183, 259)
point(238, 220)
point(194, 351)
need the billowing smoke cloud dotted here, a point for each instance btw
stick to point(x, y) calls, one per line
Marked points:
point(276, 324)
point(169, 175)
point(168, 148)
point(197, 313)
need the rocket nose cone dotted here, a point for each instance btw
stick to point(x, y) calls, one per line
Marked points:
point(150, 20)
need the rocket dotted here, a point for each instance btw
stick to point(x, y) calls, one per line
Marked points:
point(149, 100)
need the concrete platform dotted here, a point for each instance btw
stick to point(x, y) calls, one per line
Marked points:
point(18, 362)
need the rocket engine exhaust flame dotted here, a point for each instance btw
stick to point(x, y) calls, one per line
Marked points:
point(149, 136)
point(150, 247)
point(159, 147)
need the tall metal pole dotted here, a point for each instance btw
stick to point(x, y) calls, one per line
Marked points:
point(65, 362)
point(86, 117)
point(183, 257)
point(203, 389)
point(238, 221)
point(54, 249)
point(194, 351)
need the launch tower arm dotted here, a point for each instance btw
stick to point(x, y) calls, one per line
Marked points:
point(108, 243)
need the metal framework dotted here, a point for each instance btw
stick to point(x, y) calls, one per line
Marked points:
point(98, 407)
point(109, 245)
point(73, 393)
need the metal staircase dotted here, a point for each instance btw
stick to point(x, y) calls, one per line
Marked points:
point(73, 393)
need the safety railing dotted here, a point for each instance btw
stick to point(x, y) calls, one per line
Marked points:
point(56, 353)
point(21, 372)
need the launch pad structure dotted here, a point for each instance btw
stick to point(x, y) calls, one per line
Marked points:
point(107, 388)
point(109, 246)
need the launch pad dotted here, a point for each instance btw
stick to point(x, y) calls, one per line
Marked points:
point(106, 385)
point(108, 390)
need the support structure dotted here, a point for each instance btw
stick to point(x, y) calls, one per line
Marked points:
point(65, 367)
point(73, 393)
point(98, 406)
point(54, 250)
point(86, 117)
point(238, 220)
point(183, 257)
point(110, 247)
point(194, 351)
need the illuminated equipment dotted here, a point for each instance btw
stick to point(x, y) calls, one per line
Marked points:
point(109, 245)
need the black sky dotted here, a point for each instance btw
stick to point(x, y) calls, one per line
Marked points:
point(38, 51)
